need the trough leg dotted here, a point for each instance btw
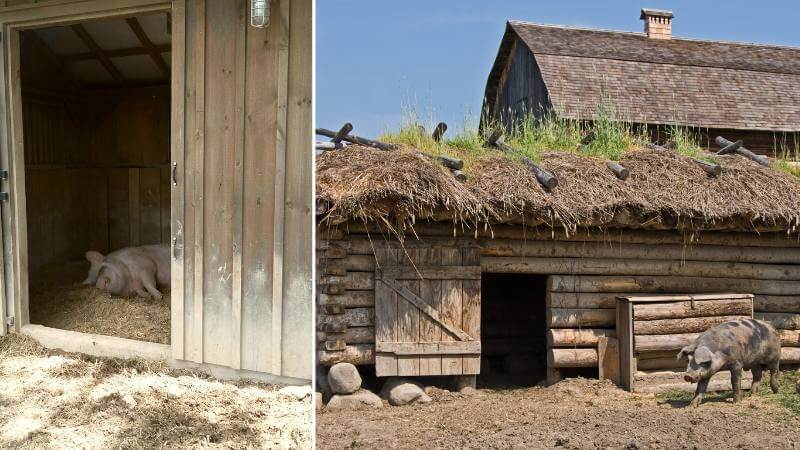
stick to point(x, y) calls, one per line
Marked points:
point(553, 376)
point(465, 383)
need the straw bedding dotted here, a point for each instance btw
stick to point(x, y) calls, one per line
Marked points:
point(664, 191)
point(59, 300)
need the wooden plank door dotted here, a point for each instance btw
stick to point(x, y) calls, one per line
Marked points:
point(427, 311)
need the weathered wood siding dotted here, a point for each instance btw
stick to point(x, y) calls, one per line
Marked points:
point(244, 237)
point(522, 89)
point(587, 272)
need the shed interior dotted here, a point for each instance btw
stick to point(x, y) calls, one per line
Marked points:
point(513, 339)
point(96, 114)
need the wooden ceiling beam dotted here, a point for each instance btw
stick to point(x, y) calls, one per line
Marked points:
point(98, 52)
point(137, 29)
point(116, 53)
point(70, 77)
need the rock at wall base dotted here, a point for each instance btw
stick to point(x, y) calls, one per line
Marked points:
point(362, 399)
point(343, 378)
point(401, 391)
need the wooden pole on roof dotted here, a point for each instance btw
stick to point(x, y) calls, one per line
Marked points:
point(357, 140)
point(545, 178)
point(438, 132)
point(726, 144)
point(710, 168)
point(344, 131)
point(616, 168)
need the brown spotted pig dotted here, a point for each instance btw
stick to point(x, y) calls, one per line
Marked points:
point(131, 270)
point(736, 345)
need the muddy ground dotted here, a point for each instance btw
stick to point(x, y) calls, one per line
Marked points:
point(576, 413)
point(55, 400)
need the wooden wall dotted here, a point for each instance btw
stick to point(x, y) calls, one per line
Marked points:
point(243, 234)
point(97, 172)
point(586, 273)
point(522, 88)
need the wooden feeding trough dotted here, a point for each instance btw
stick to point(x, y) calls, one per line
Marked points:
point(651, 329)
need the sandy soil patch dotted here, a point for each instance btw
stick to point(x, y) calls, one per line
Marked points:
point(52, 400)
point(59, 300)
point(576, 413)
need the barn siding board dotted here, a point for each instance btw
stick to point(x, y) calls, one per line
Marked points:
point(272, 336)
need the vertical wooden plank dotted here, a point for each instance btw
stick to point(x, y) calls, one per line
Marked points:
point(198, 67)
point(177, 192)
point(17, 175)
point(385, 313)
point(221, 17)
point(258, 194)
point(408, 320)
point(150, 206)
point(625, 337)
point(164, 187)
point(99, 211)
point(451, 309)
point(429, 331)
point(298, 200)
point(471, 308)
point(7, 281)
point(281, 21)
point(118, 209)
point(134, 207)
point(240, 67)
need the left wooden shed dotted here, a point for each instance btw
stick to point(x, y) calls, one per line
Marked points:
point(179, 123)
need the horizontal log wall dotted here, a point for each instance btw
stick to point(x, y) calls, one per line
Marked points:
point(589, 271)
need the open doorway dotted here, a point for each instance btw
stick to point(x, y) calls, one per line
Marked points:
point(513, 334)
point(96, 115)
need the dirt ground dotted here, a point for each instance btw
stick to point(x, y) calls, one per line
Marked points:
point(59, 300)
point(576, 413)
point(52, 400)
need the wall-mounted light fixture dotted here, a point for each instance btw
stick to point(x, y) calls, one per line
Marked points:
point(259, 13)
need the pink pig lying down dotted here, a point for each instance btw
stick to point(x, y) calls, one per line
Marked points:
point(131, 270)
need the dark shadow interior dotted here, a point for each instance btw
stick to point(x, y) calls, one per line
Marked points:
point(96, 128)
point(513, 339)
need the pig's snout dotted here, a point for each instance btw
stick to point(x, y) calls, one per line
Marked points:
point(688, 378)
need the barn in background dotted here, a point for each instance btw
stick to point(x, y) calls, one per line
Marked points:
point(741, 91)
point(183, 123)
point(498, 280)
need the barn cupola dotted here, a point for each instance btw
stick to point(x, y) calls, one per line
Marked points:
point(657, 23)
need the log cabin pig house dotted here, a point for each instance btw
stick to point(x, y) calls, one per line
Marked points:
point(498, 279)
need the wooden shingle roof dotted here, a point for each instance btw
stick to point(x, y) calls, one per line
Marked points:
point(691, 82)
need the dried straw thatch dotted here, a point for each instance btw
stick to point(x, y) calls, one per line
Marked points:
point(664, 191)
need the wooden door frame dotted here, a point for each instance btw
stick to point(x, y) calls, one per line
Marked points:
point(14, 283)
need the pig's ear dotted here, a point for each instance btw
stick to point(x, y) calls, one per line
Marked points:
point(95, 257)
point(703, 354)
point(685, 352)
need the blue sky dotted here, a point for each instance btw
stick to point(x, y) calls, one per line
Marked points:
point(377, 58)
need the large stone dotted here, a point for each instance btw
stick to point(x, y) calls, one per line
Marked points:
point(361, 399)
point(343, 378)
point(401, 391)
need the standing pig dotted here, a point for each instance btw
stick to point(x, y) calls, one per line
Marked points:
point(736, 345)
point(131, 270)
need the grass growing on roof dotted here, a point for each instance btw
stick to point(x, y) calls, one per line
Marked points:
point(787, 156)
point(534, 134)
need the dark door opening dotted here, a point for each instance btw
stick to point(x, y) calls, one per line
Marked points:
point(96, 126)
point(513, 332)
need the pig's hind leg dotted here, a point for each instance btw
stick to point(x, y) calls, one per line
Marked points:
point(149, 282)
point(758, 372)
point(702, 385)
